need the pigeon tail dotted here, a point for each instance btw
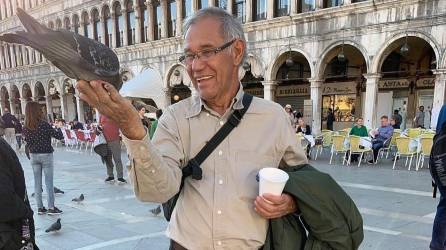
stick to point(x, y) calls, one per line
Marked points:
point(31, 25)
point(15, 38)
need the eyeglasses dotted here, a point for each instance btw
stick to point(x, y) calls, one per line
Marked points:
point(203, 55)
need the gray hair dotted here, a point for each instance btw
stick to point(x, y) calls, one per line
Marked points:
point(231, 28)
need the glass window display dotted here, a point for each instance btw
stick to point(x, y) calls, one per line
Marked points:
point(343, 107)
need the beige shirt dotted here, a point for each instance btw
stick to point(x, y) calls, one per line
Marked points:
point(216, 212)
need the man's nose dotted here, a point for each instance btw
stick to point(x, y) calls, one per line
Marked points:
point(197, 64)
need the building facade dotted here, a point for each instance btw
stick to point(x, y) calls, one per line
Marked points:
point(360, 58)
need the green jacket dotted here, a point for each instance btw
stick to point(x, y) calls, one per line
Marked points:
point(153, 128)
point(362, 131)
point(328, 214)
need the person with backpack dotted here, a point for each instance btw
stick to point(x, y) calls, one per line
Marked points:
point(437, 169)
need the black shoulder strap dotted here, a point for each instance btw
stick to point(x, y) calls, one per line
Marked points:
point(193, 167)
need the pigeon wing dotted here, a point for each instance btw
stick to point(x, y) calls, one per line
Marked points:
point(31, 24)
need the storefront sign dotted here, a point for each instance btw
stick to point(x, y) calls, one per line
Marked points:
point(339, 88)
point(393, 83)
point(426, 82)
point(293, 90)
point(254, 92)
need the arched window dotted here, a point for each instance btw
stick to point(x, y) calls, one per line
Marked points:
point(306, 5)
point(66, 23)
point(332, 3)
point(202, 4)
point(131, 23)
point(172, 18)
point(119, 24)
point(239, 10)
point(27, 56)
point(259, 9)
point(282, 8)
point(76, 24)
point(221, 4)
point(19, 55)
point(144, 17)
point(86, 25)
point(187, 8)
point(96, 25)
point(108, 26)
point(158, 21)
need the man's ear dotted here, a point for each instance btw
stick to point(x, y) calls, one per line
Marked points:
point(239, 48)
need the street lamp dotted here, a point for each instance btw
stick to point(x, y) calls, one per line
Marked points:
point(405, 48)
point(341, 55)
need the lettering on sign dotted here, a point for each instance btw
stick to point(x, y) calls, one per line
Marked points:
point(393, 84)
point(426, 82)
point(339, 88)
point(254, 92)
point(294, 90)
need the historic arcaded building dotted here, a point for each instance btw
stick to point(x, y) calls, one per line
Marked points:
point(360, 58)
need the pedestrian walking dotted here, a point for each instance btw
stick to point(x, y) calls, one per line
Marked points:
point(38, 133)
point(419, 118)
point(330, 119)
point(111, 134)
point(16, 215)
point(10, 123)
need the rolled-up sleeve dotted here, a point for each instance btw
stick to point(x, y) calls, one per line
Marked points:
point(155, 169)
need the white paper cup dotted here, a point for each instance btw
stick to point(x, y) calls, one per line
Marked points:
point(272, 181)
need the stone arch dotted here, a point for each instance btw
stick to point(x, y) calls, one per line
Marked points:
point(103, 8)
point(92, 11)
point(257, 66)
point(5, 97)
point(39, 90)
point(390, 45)
point(279, 59)
point(331, 51)
point(26, 92)
point(126, 73)
point(175, 75)
point(50, 83)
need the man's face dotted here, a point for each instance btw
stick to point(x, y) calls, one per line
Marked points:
point(421, 108)
point(212, 78)
point(384, 122)
point(360, 122)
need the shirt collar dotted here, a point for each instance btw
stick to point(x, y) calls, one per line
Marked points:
point(197, 104)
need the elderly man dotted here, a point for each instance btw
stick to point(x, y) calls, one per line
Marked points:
point(223, 209)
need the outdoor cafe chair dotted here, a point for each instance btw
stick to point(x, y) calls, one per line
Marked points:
point(387, 146)
point(327, 139)
point(413, 132)
point(426, 142)
point(355, 149)
point(403, 149)
point(338, 147)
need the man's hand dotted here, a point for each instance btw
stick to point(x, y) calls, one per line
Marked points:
point(272, 206)
point(106, 99)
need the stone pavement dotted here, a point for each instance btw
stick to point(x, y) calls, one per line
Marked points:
point(396, 205)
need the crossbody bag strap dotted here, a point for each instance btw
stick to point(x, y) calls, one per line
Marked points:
point(193, 167)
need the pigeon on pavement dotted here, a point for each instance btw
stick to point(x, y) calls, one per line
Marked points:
point(80, 199)
point(156, 211)
point(56, 226)
point(79, 57)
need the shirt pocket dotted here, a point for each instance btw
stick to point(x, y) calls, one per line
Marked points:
point(247, 165)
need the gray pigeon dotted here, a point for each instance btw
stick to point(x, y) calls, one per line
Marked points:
point(56, 226)
point(79, 57)
point(80, 199)
point(156, 211)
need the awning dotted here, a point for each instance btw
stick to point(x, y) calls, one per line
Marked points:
point(148, 85)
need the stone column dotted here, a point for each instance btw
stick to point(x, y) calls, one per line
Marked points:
point(371, 99)
point(63, 105)
point(270, 8)
point(103, 30)
point(269, 90)
point(113, 43)
point(13, 56)
point(7, 53)
point(14, 7)
point(49, 106)
point(293, 7)
point(230, 7)
point(194, 6)
point(23, 103)
point(37, 56)
point(179, 17)
point(150, 20)
point(92, 28)
point(2, 106)
point(139, 23)
point(248, 10)
point(439, 95)
point(167, 97)
point(211, 3)
point(3, 9)
point(316, 97)
point(2, 57)
point(25, 55)
point(80, 109)
point(164, 22)
point(126, 26)
point(347, 2)
point(319, 4)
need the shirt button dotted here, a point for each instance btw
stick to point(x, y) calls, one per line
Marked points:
point(220, 153)
point(219, 212)
point(219, 243)
point(221, 123)
point(207, 114)
point(220, 182)
point(153, 171)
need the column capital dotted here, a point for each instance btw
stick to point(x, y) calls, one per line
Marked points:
point(439, 72)
point(372, 76)
point(315, 83)
point(269, 83)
